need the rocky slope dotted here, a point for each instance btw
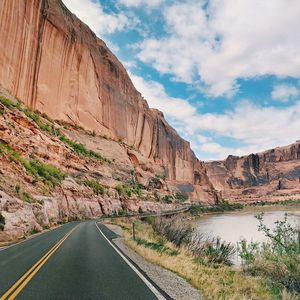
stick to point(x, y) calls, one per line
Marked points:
point(47, 178)
point(270, 176)
point(55, 64)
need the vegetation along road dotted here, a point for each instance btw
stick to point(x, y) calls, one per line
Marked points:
point(74, 261)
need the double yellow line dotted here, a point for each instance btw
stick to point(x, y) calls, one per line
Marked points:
point(21, 283)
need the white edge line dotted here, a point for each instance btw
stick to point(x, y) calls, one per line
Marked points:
point(144, 279)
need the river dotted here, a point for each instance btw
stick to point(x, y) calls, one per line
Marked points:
point(237, 225)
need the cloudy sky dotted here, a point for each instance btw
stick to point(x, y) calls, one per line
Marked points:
point(225, 73)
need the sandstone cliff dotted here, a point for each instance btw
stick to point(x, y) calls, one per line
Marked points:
point(55, 64)
point(46, 177)
point(271, 175)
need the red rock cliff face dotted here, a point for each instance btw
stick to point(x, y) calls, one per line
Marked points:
point(270, 175)
point(55, 63)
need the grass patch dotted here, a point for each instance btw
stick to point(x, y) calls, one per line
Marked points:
point(158, 246)
point(6, 102)
point(97, 188)
point(80, 149)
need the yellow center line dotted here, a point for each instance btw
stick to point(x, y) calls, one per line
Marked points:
point(21, 283)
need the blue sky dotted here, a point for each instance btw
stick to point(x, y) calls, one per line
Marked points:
point(225, 73)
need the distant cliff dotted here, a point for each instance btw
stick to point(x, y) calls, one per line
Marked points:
point(55, 64)
point(270, 175)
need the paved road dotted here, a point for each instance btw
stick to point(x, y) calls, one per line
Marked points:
point(74, 261)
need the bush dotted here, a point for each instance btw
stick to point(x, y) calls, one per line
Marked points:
point(214, 250)
point(181, 197)
point(167, 199)
point(125, 190)
point(49, 173)
point(277, 260)
point(95, 186)
point(173, 230)
point(2, 222)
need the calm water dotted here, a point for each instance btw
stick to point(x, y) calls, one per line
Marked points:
point(234, 226)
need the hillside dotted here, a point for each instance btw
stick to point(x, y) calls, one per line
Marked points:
point(272, 175)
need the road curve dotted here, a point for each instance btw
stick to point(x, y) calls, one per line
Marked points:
point(74, 261)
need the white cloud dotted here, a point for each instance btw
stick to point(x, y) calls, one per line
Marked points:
point(156, 96)
point(254, 127)
point(284, 92)
point(137, 3)
point(92, 13)
point(227, 41)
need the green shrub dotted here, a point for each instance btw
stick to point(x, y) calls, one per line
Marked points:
point(123, 190)
point(181, 197)
point(17, 189)
point(49, 173)
point(167, 199)
point(25, 197)
point(95, 186)
point(278, 260)
point(173, 230)
point(213, 250)
point(2, 222)
point(126, 190)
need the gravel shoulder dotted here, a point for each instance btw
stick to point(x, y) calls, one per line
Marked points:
point(175, 286)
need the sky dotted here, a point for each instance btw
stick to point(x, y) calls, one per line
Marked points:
point(226, 74)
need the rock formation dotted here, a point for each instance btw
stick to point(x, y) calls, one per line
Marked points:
point(55, 64)
point(271, 175)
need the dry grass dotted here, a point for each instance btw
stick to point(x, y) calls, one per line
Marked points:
point(214, 282)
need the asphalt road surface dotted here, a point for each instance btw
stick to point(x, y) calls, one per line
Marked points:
point(74, 261)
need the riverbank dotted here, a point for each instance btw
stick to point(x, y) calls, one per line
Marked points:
point(205, 262)
point(214, 281)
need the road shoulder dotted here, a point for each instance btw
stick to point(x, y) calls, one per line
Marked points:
point(175, 286)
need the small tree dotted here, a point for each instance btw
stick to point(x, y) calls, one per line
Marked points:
point(2, 222)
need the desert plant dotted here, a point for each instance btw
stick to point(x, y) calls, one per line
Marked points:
point(173, 230)
point(213, 250)
point(2, 222)
point(95, 186)
point(277, 260)
point(167, 199)
point(181, 197)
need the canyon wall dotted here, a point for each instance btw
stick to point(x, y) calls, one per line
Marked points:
point(271, 175)
point(55, 64)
